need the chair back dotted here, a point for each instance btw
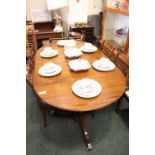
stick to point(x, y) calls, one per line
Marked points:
point(31, 41)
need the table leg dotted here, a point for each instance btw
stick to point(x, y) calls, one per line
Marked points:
point(42, 108)
point(119, 102)
point(92, 113)
point(85, 131)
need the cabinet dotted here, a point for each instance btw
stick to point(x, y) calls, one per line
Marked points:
point(110, 34)
point(115, 45)
point(88, 32)
point(44, 31)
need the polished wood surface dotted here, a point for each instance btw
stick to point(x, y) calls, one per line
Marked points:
point(59, 88)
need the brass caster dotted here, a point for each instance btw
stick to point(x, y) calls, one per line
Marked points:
point(89, 147)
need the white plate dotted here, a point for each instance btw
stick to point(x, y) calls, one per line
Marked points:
point(66, 42)
point(42, 71)
point(73, 52)
point(84, 49)
point(79, 65)
point(86, 88)
point(61, 42)
point(97, 65)
point(53, 53)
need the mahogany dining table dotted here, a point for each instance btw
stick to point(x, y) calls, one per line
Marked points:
point(58, 89)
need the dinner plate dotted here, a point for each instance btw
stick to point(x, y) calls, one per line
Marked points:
point(73, 53)
point(93, 49)
point(79, 65)
point(98, 66)
point(53, 53)
point(61, 42)
point(66, 42)
point(86, 88)
point(56, 71)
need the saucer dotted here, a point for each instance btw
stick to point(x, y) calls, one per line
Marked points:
point(49, 54)
point(50, 69)
point(91, 50)
point(103, 65)
point(86, 88)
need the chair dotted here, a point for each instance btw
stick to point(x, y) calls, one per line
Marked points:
point(125, 95)
point(29, 78)
point(107, 48)
point(119, 103)
point(30, 56)
point(115, 54)
point(31, 41)
point(122, 61)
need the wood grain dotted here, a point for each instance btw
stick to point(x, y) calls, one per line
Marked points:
point(59, 88)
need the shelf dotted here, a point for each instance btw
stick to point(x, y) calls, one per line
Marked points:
point(118, 11)
point(111, 44)
point(111, 33)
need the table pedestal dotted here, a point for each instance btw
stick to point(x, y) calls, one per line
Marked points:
point(85, 131)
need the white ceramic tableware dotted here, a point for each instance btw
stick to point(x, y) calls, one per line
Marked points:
point(61, 42)
point(103, 64)
point(88, 46)
point(69, 43)
point(89, 49)
point(73, 52)
point(86, 88)
point(48, 53)
point(50, 69)
point(79, 65)
point(58, 28)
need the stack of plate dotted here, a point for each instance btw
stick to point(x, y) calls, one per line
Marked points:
point(103, 64)
point(79, 65)
point(86, 88)
point(50, 69)
point(48, 52)
point(72, 52)
point(88, 48)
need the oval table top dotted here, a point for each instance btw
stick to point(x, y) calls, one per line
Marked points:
point(58, 89)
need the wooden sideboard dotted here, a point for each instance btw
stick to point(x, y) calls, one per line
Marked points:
point(44, 31)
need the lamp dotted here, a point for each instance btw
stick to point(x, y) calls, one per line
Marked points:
point(54, 5)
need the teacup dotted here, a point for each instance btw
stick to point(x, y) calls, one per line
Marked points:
point(87, 88)
point(104, 62)
point(47, 50)
point(49, 67)
point(88, 46)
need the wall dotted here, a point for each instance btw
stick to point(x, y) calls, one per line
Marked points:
point(94, 7)
point(37, 7)
point(86, 7)
point(77, 11)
